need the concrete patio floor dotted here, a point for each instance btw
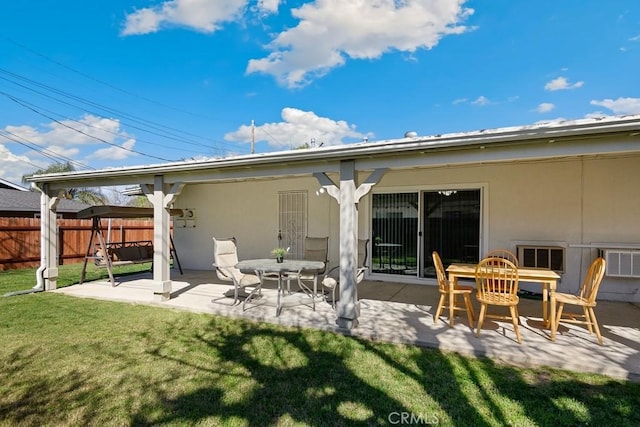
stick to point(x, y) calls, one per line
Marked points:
point(403, 313)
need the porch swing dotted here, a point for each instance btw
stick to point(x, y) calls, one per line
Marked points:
point(109, 254)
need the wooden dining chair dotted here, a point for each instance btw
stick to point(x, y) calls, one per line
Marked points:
point(586, 299)
point(450, 293)
point(503, 253)
point(497, 284)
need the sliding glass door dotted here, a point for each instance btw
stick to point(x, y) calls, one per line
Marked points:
point(407, 227)
point(395, 233)
point(451, 221)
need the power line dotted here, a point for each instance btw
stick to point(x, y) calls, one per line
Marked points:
point(60, 64)
point(25, 105)
point(42, 151)
point(90, 103)
point(111, 86)
point(128, 120)
point(120, 135)
point(156, 129)
point(262, 129)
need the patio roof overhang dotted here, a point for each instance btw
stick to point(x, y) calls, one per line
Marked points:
point(163, 183)
point(589, 137)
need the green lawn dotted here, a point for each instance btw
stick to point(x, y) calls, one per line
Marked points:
point(72, 361)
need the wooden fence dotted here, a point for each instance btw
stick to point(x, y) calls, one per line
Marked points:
point(20, 238)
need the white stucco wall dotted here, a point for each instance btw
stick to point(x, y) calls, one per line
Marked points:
point(247, 211)
point(570, 202)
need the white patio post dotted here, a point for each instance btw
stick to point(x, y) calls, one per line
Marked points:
point(48, 238)
point(161, 198)
point(348, 307)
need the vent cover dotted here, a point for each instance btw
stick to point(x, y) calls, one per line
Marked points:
point(534, 256)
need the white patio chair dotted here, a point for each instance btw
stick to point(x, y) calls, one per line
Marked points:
point(315, 249)
point(331, 280)
point(225, 258)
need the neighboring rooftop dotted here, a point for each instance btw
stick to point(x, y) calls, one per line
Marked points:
point(24, 203)
point(10, 185)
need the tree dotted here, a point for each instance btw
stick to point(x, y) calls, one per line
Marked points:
point(140, 202)
point(90, 196)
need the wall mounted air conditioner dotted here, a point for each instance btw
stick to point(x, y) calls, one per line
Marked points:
point(622, 262)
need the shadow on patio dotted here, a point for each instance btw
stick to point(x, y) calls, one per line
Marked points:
point(403, 313)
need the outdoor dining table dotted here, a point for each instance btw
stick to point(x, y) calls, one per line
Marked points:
point(387, 249)
point(268, 266)
point(548, 279)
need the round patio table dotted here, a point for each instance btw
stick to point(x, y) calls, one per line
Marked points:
point(269, 267)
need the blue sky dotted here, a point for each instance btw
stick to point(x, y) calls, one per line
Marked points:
point(117, 83)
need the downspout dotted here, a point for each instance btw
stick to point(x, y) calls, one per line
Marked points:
point(39, 286)
point(43, 265)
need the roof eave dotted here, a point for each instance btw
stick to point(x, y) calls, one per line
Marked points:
point(333, 153)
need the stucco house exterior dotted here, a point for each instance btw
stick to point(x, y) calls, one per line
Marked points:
point(558, 194)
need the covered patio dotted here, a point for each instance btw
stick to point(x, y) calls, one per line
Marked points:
point(403, 313)
point(544, 189)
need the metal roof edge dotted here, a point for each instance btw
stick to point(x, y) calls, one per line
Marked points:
point(558, 129)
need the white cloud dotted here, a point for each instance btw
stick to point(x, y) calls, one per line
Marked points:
point(68, 152)
point(143, 21)
point(595, 115)
point(268, 6)
point(22, 133)
point(201, 15)
point(15, 166)
point(298, 127)
point(330, 31)
point(561, 83)
point(481, 100)
point(114, 153)
point(545, 107)
point(620, 106)
point(69, 132)
point(72, 139)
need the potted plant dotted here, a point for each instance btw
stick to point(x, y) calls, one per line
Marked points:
point(279, 253)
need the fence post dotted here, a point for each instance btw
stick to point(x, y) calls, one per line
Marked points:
point(60, 245)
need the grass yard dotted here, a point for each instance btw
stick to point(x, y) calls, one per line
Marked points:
point(72, 361)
